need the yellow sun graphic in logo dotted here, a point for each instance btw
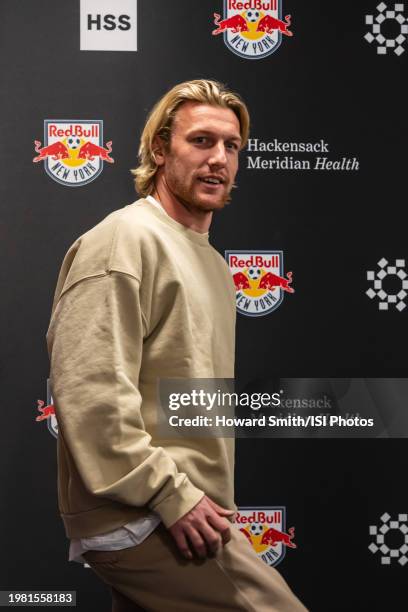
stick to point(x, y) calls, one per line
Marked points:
point(252, 17)
point(255, 533)
point(73, 144)
point(254, 275)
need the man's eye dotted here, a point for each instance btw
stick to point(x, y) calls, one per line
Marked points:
point(200, 139)
point(232, 145)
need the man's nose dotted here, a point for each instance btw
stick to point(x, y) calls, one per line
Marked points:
point(218, 155)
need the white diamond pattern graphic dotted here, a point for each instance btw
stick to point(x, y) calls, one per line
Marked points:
point(380, 289)
point(375, 33)
point(379, 541)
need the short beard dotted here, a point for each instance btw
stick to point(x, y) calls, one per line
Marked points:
point(183, 195)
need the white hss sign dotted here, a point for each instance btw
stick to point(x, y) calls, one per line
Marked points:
point(108, 25)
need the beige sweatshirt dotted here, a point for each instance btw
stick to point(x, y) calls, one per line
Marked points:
point(139, 298)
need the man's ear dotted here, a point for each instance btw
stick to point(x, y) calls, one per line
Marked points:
point(158, 150)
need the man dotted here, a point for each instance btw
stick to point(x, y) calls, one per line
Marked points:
point(141, 297)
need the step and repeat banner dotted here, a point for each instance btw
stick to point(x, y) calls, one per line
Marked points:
point(315, 238)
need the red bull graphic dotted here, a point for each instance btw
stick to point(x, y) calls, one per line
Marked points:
point(73, 151)
point(259, 280)
point(253, 28)
point(47, 412)
point(237, 23)
point(265, 530)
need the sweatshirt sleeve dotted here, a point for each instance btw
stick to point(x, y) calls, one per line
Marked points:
point(95, 344)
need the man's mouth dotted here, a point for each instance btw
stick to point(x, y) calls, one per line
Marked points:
point(212, 180)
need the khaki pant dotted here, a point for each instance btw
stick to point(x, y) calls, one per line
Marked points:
point(156, 578)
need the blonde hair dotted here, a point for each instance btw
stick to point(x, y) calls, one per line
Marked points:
point(161, 117)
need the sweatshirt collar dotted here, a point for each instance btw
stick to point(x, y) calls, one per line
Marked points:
point(156, 203)
point(157, 209)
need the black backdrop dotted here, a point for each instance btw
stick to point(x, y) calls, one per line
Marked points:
point(326, 82)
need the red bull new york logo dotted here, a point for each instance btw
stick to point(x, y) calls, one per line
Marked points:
point(73, 151)
point(265, 530)
point(252, 29)
point(259, 280)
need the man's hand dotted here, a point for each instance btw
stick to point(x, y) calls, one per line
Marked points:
point(202, 530)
